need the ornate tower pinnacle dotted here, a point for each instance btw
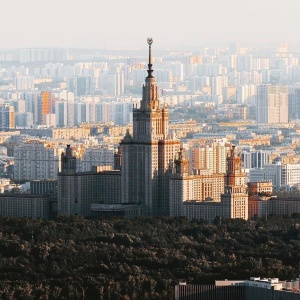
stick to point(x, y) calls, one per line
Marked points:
point(150, 90)
point(150, 41)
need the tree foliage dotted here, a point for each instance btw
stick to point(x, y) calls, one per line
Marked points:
point(116, 258)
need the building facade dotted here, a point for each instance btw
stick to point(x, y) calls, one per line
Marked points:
point(263, 207)
point(7, 117)
point(272, 104)
point(255, 158)
point(210, 156)
point(153, 173)
point(26, 206)
point(235, 199)
point(36, 160)
point(147, 153)
point(282, 176)
point(260, 187)
point(77, 191)
point(42, 187)
point(190, 193)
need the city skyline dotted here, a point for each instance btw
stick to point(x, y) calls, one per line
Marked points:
point(124, 24)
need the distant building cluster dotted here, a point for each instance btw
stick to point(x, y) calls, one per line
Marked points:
point(76, 118)
point(62, 87)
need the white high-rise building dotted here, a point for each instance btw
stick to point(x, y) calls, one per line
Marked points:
point(61, 112)
point(244, 62)
point(96, 156)
point(31, 104)
point(270, 172)
point(246, 94)
point(255, 158)
point(7, 117)
point(217, 85)
point(24, 83)
point(36, 160)
point(272, 104)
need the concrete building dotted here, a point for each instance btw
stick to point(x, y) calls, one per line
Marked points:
point(24, 82)
point(101, 155)
point(129, 211)
point(7, 117)
point(204, 210)
point(255, 158)
point(36, 160)
point(256, 188)
point(254, 289)
point(45, 106)
point(81, 85)
point(282, 176)
point(270, 172)
point(147, 156)
point(43, 187)
point(217, 86)
point(272, 104)
point(202, 196)
point(154, 172)
point(26, 206)
point(266, 283)
point(211, 156)
point(244, 62)
point(148, 151)
point(235, 199)
point(263, 207)
point(246, 94)
point(187, 192)
point(75, 133)
point(42, 54)
point(77, 191)
point(294, 103)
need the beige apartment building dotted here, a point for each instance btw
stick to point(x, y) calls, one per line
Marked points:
point(272, 104)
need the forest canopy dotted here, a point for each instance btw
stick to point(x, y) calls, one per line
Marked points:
point(116, 258)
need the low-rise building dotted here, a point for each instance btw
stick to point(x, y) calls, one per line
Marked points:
point(27, 206)
point(266, 206)
point(260, 187)
point(42, 187)
point(254, 289)
point(126, 210)
point(74, 133)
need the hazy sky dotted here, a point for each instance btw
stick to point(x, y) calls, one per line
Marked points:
point(127, 23)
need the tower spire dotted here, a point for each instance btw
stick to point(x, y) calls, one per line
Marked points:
point(150, 41)
point(150, 90)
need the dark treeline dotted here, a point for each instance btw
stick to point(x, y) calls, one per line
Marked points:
point(76, 258)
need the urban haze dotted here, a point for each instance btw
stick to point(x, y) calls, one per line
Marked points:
point(121, 24)
point(150, 150)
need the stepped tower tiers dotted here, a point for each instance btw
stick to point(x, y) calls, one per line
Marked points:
point(235, 199)
point(146, 154)
point(66, 184)
point(68, 160)
point(235, 176)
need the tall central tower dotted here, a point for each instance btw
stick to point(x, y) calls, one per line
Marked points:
point(148, 152)
point(235, 199)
